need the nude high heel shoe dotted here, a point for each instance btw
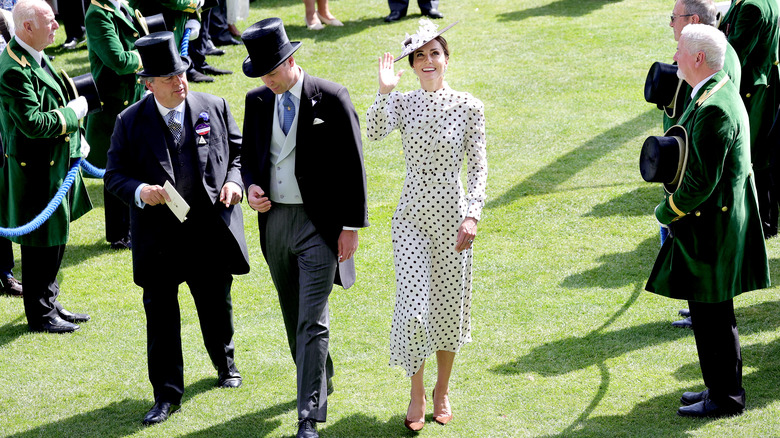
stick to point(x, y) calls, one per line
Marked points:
point(330, 22)
point(444, 417)
point(414, 426)
point(315, 24)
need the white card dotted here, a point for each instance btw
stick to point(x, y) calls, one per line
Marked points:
point(177, 204)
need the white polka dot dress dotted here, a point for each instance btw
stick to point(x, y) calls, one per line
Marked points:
point(433, 281)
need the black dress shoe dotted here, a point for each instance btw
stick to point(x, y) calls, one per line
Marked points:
point(196, 76)
point(707, 409)
point(10, 286)
point(230, 41)
point(73, 317)
point(307, 428)
point(229, 380)
point(683, 323)
point(689, 398)
point(433, 13)
point(394, 16)
point(684, 312)
point(121, 244)
point(211, 70)
point(214, 52)
point(56, 325)
point(159, 413)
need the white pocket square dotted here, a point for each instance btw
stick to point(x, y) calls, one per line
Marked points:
point(317, 121)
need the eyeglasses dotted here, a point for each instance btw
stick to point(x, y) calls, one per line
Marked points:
point(672, 17)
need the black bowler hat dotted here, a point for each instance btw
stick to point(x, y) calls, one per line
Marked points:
point(159, 55)
point(268, 47)
point(662, 87)
point(83, 85)
point(663, 159)
point(150, 24)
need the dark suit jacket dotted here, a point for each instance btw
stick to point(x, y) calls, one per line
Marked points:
point(139, 154)
point(328, 156)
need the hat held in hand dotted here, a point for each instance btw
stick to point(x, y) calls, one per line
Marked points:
point(663, 158)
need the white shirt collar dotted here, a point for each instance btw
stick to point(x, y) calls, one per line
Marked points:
point(296, 90)
point(116, 4)
point(701, 84)
point(38, 56)
point(164, 110)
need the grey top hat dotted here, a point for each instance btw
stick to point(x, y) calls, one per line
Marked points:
point(664, 158)
point(159, 55)
point(267, 45)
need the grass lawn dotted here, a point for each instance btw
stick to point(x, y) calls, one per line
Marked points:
point(566, 341)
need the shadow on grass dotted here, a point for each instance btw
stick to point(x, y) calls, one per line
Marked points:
point(117, 419)
point(638, 202)
point(260, 423)
point(364, 426)
point(14, 329)
point(658, 414)
point(546, 179)
point(560, 8)
point(618, 269)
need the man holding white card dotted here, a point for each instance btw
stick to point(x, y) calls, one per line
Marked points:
point(174, 158)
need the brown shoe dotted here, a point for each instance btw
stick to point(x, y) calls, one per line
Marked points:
point(444, 417)
point(414, 426)
point(11, 286)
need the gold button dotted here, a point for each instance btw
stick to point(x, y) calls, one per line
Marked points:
point(67, 138)
point(138, 80)
point(22, 164)
point(748, 95)
point(725, 208)
point(777, 62)
point(698, 213)
point(51, 163)
point(126, 102)
point(61, 107)
point(135, 34)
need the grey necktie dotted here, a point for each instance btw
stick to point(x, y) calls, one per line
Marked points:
point(174, 126)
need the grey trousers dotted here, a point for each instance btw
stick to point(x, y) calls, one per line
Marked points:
point(302, 268)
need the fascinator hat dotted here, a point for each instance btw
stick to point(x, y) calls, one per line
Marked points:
point(425, 34)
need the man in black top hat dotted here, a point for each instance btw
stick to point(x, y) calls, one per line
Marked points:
point(178, 142)
point(302, 139)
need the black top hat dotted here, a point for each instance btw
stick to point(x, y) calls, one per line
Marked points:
point(150, 24)
point(83, 85)
point(663, 159)
point(159, 55)
point(268, 47)
point(662, 87)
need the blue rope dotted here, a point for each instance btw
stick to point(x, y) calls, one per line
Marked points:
point(93, 170)
point(185, 42)
point(49, 210)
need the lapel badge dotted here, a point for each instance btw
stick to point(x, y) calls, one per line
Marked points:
point(203, 129)
point(201, 140)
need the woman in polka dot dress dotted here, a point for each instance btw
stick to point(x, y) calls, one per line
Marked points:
point(435, 222)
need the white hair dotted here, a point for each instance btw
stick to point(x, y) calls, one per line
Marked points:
point(27, 10)
point(707, 39)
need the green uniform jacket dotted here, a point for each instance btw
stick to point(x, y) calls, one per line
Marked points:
point(40, 136)
point(731, 66)
point(752, 29)
point(716, 250)
point(175, 11)
point(113, 61)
